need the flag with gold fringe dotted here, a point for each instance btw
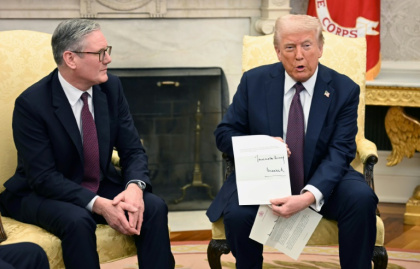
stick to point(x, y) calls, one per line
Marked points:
point(353, 18)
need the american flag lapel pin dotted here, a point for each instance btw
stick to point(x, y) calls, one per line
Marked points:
point(327, 94)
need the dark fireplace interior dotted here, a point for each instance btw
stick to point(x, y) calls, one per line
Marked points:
point(175, 111)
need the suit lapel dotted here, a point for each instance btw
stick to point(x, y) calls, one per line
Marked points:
point(100, 104)
point(65, 114)
point(274, 98)
point(321, 102)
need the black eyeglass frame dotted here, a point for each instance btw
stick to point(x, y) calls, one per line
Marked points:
point(100, 53)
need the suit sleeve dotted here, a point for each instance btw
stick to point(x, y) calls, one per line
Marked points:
point(235, 122)
point(133, 158)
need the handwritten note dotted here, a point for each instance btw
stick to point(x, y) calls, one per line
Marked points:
point(262, 170)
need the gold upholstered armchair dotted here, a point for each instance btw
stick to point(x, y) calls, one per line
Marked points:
point(26, 58)
point(347, 56)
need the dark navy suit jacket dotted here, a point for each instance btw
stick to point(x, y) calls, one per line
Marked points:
point(49, 145)
point(257, 108)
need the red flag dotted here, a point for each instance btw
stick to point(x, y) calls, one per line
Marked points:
point(353, 18)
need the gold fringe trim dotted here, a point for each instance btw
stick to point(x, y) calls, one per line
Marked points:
point(374, 71)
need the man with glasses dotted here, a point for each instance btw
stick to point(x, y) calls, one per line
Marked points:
point(65, 128)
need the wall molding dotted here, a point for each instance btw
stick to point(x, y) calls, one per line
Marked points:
point(270, 11)
point(393, 96)
point(129, 9)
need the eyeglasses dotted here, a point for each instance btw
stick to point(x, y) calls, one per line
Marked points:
point(100, 53)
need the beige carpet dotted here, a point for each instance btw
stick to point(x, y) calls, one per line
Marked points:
point(193, 255)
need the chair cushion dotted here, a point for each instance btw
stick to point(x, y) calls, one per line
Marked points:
point(326, 232)
point(112, 245)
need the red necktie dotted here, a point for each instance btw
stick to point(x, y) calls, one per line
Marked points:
point(295, 140)
point(90, 148)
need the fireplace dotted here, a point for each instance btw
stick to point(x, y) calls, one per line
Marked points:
point(175, 111)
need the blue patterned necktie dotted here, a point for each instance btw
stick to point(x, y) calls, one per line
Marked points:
point(90, 148)
point(295, 140)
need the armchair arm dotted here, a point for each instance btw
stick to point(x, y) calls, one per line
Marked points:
point(367, 150)
point(230, 165)
point(3, 235)
point(368, 154)
point(115, 159)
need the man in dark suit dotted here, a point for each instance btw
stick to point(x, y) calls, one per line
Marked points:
point(23, 256)
point(330, 185)
point(64, 181)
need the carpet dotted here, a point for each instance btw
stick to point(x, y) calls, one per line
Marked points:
point(193, 255)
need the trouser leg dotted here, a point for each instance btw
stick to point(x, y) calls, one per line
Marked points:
point(72, 224)
point(153, 243)
point(238, 221)
point(76, 228)
point(353, 205)
point(23, 256)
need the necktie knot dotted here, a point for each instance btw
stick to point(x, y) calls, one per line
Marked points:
point(84, 97)
point(299, 87)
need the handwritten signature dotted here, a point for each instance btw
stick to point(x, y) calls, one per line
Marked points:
point(269, 158)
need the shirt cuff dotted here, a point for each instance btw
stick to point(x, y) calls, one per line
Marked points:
point(90, 205)
point(319, 198)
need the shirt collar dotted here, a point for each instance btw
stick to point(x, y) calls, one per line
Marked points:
point(309, 85)
point(72, 93)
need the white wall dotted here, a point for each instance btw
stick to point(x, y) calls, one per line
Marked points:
point(396, 184)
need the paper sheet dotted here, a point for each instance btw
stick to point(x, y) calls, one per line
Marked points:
point(262, 169)
point(289, 235)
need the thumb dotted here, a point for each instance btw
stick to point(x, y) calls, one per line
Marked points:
point(117, 199)
point(277, 201)
point(273, 201)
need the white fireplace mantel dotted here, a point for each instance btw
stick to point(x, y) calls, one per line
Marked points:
point(159, 33)
point(265, 11)
point(128, 9)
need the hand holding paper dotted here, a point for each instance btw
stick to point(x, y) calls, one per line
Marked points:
point(288, 206)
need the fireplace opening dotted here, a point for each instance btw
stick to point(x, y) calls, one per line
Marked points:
point(175, 111)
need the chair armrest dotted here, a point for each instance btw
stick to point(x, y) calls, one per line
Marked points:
point(115, 159)
point(230, 165)
point(368, 154)
point(3, 235)
point(367, 151)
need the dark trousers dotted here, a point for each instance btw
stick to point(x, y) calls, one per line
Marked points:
point(75, 226)
point(23, 256)
point(352, 205)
